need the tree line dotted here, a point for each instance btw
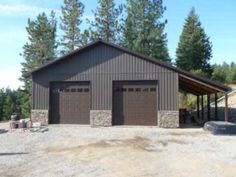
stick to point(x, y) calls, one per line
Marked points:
point(138, 25)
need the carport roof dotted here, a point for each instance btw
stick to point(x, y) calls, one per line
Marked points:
point(187, 81)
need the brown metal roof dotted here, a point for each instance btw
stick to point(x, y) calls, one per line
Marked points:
point(195, 84)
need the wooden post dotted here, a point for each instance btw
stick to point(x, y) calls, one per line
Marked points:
point(226, 107)
point(216, 107)
point(208, 108)
point(198, 112)
point(202, 105)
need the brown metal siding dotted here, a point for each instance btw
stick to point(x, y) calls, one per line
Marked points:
point(70, 103)
point(101, 65)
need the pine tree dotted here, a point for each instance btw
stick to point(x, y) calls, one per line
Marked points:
point(130, 32)
point(8, 106)
point(71, 18)
point(106, 22)
point(144, 28)
point(85, 37)
point(2, 101)
point(40, 49)
point(42, 43)
point(194, 48)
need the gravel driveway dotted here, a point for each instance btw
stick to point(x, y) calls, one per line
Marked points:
point(67, 151)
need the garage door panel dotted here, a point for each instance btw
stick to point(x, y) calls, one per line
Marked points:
point(135, 103)
point(70, 103)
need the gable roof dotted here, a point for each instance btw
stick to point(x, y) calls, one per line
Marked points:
point(181, 72)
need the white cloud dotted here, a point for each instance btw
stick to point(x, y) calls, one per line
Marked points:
point(9, 78)
point(23, 10)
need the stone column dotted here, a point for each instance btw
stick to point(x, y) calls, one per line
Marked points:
point(39, 115)
point(100, 118)
point(168, 119)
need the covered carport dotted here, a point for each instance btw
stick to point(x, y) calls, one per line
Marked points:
point(202, 87)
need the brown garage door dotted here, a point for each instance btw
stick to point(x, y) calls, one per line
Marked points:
point(135, 103)
point(70, 103)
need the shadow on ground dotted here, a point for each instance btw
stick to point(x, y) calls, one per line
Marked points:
point(13, 153)
point(3, 131)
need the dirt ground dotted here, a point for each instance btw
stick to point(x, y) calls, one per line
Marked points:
point(116, 151)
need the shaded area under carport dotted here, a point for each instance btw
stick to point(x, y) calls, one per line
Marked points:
point(201, 87)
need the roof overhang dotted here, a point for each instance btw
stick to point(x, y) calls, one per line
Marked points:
point(199, 87)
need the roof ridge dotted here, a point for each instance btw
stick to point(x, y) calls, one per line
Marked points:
point(153, 60)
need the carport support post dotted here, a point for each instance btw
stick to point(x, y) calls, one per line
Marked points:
point(198, 112)
point(216, 107)
point(202, 106)
point(208, 108)
point(226, 107)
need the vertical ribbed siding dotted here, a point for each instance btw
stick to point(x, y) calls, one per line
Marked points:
point(101, 66)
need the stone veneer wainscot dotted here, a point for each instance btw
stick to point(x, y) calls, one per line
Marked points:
point(168, 119)
point(102, 118)
point(39, 115)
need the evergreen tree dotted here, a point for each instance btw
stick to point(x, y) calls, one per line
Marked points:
point(8, 106)
point(41, 46)
point(144, 28)
point(2, 101)
point(85, 39)
point(40, 49)
point(10, 101)
point(194, 49)
point(72, 12)
point(106, 22)
point(130, 32)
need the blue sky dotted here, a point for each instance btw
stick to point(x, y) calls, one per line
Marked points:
point(218, 19)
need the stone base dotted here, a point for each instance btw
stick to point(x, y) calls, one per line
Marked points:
point(168, 119)
point(41, 116)
point(102, 118)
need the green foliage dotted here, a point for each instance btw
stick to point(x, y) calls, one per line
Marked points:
point(234, 77)
point(106, 21)
point(7, 107)
point(189, 101)
point(225, 73)
point(40, 49)
point(199, 73)
point(25, 100)
point(72, 12)
point(144, 30)
point(41, 46)
point(194, 49)
point(10, 101)
point(2, 101)
point(85, 37)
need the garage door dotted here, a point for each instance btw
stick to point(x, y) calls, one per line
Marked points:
point(70, 103)
point(135, 103)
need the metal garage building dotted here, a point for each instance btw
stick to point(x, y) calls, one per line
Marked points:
point(103, 84)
